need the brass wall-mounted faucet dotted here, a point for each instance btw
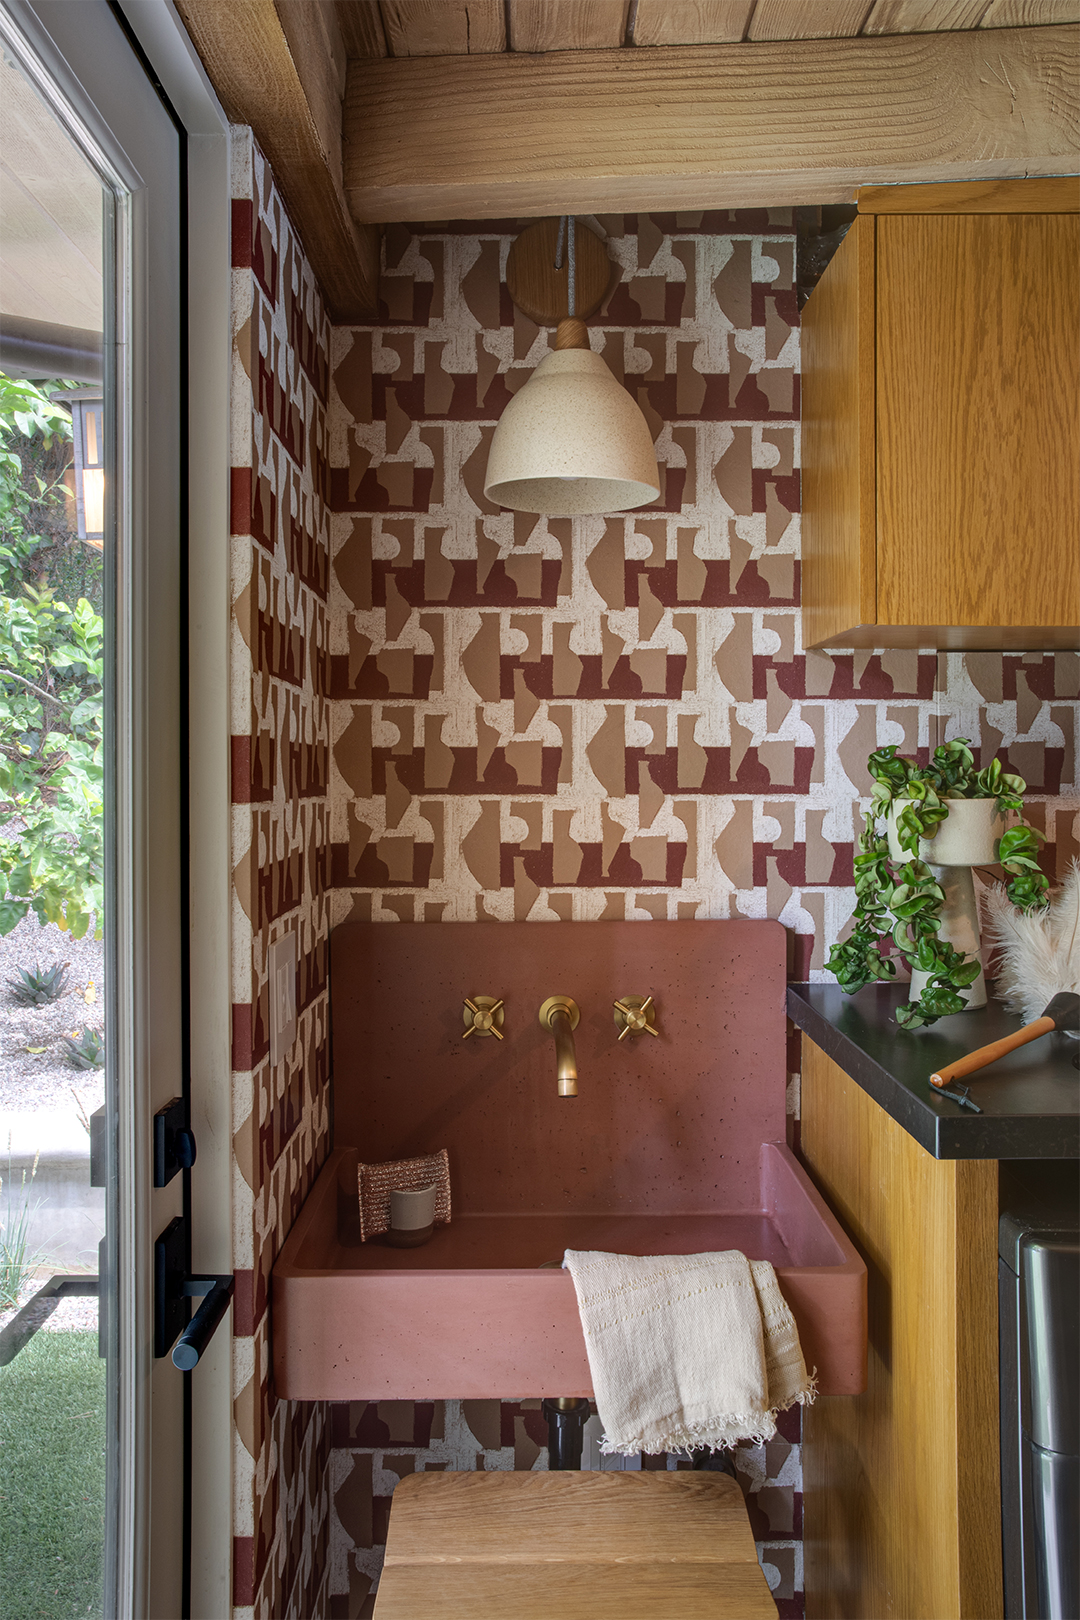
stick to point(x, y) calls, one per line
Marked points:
point(560, 1014)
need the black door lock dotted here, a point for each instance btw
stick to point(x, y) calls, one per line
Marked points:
point(174, 1144)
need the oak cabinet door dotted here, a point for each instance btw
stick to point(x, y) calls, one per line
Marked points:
point(941, 423)
point(978, 335)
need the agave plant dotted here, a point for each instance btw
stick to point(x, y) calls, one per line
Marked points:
point(37, 986)
point(84, 1050)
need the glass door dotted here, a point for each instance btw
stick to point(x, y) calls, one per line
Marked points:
point(92, 960)
point(55, 221)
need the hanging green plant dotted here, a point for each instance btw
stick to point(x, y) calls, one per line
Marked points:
point(901, 898)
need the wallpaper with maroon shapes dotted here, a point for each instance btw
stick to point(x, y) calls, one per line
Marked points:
point(281, 867)
point(446, 711)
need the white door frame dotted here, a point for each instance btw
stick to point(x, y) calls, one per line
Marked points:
point(169, 50)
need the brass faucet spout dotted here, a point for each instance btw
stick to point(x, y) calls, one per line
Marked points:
point(565, 1055)
point(560, 1014)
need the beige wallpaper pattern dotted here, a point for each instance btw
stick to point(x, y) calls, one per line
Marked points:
point(605, 717)
point(280, 566)
point(445, 711)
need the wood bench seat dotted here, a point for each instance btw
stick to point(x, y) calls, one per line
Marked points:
point(558, 1546)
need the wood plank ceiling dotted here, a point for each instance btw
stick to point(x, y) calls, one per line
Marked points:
point(377, 28)
point(380, 110)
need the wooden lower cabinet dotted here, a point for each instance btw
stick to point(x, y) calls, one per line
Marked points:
point(901, 1507)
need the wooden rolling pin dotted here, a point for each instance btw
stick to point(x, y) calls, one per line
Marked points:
point(1062, 1013)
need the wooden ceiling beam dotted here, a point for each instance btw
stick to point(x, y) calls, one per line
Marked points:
point(1028, 13)
point(280, 68)
point(740, 125)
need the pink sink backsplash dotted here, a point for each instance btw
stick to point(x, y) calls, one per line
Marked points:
point(663, 1125)
point(674, 1145)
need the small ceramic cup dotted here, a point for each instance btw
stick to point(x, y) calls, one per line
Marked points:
point(412, 1217)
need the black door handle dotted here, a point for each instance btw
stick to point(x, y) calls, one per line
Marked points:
point(173, 1287)
point(200, 1330)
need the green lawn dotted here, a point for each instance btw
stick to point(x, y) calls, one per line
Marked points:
point(52, 1479)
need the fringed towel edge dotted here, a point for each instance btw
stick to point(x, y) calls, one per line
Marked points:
point(717, 1433)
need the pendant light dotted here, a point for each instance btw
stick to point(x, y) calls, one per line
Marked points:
point(571, 441)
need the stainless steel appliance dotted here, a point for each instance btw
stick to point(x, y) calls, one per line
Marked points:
point(1039, 1323)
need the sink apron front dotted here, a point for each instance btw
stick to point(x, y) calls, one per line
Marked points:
point(674, 1145)
point(366, 1322)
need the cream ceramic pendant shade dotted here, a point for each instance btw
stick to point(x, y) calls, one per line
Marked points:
point(571, 441)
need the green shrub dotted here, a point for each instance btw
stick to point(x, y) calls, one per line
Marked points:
point(51, 661)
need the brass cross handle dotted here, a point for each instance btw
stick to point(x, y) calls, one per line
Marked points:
point(483, 1016)
point(635, 1014)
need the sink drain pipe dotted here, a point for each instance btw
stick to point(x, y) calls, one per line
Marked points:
point(566, 1420)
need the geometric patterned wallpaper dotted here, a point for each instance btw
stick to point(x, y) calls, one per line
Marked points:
point(280, 559)
point(567, 719)
point(535, 718)
point(375, 1445)
point(444, 711)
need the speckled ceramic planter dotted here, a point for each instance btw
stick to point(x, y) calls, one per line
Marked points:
point(960, 926)
point(968, 837)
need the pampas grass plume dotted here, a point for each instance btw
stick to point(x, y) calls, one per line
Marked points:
point(1040, 950)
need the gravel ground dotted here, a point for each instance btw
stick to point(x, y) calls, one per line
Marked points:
point(34, 1074)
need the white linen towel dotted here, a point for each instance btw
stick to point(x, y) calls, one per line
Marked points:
point(686, 1349)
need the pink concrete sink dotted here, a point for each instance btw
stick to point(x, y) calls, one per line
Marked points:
point(674, 1145)
point(477, 1314)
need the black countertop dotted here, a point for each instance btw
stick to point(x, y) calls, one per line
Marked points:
point(1030, 1099)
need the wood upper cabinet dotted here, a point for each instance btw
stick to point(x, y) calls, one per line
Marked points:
point(941, 422)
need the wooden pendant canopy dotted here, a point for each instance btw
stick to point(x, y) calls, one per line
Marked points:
point(540, 291)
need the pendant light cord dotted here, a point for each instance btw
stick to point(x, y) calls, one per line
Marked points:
point(566, 234)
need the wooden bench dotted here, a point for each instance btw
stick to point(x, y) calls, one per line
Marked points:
point(558, 1546)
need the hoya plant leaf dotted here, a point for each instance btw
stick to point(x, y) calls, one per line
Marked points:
point(940, 1001)
point(909, 1015)
point(1019, 840)
point(963, 976)
point(1028, 890)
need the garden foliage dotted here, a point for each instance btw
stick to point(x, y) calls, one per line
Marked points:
point(51, 660)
